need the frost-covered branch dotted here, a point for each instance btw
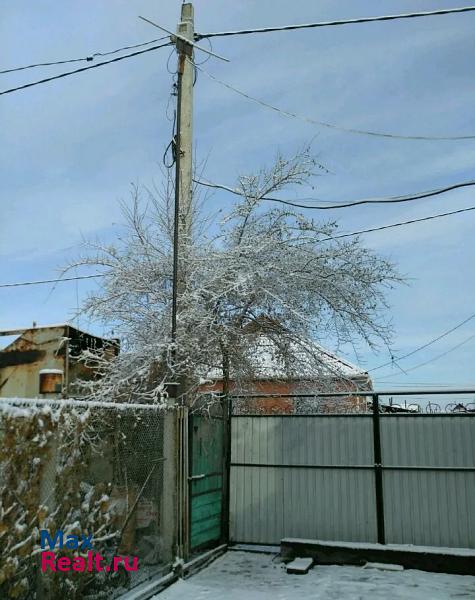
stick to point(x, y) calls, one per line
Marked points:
point(261, 273)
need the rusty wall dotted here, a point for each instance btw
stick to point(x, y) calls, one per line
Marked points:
point(22, 360)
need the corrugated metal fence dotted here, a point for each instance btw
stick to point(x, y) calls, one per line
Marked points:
point(320, 477)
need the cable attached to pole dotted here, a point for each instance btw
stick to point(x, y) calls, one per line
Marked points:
point(319, 123)
point(82, 69)
point(88, 58)
point(414, 15)
point(44, 281)
point(384, 200)
point(433, 341)
point(176, 226)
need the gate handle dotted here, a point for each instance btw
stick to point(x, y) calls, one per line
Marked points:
point(195, 477)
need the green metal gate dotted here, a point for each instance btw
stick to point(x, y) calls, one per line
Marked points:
point(207, 480)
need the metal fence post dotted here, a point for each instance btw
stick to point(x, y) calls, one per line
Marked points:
point(378, 471)
point(227, 419)
point(182, 482)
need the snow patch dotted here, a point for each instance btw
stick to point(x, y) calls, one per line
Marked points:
point(246, 576)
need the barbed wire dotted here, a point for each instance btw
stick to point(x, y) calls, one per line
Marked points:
point(318, 405)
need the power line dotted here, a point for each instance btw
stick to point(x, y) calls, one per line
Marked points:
point(427, 362)
point(226, 188)
point(287, 113)
point(438, 216)
point(382, 200)
point(446, 11)
point(454, 212)
point(186, 41)
point(59, 280)
point(88, 58)
point(101, 64)
point(446, 333)
point(344, 235)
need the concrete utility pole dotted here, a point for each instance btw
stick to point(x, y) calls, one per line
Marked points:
point(181, 244)
point(184, 164)
point(185, 117)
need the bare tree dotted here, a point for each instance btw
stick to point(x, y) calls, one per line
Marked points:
point(268, 279)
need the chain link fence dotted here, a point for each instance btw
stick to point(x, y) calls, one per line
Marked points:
point(104, 472)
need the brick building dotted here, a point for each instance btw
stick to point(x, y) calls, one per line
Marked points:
point(311, 371)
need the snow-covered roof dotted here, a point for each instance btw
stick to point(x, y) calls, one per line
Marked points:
point(310, 362)
point(338, 364)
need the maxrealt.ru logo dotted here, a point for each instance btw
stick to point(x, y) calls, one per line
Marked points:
point(85, 559)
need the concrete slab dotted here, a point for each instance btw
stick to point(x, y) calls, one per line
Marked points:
point(299, 566)
point(460, 561)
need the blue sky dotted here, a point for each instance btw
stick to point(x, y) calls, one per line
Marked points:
point(72, 147)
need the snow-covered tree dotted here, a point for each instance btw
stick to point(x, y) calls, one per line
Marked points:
point(258, 273)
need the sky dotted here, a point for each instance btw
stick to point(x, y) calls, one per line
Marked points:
point(71, 148)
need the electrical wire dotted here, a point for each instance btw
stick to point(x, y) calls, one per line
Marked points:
point(292, 115)
point(60, 280)
point(6, 285)
point(172, 53)
point(205, 60)
point(445, 334)
point(88, 58)
point(446, 11)
point(438, 216)
point(324, 240)
point(101, 64)
point(383, 200)
point(173, 94)
point(171, 147)
point(427, 362)
point(188, 42)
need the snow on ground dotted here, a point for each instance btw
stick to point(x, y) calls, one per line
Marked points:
point(252, 576)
